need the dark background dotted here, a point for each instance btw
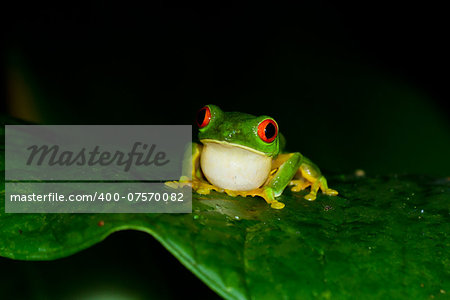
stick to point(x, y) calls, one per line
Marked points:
point(353, 85)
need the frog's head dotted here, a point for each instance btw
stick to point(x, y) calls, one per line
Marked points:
point(255, 133)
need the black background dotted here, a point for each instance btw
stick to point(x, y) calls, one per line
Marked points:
point(309, 65)
point(365, 80)
point(407, 38)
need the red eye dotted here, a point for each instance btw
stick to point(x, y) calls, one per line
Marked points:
point(203, 117)
point(268, 130)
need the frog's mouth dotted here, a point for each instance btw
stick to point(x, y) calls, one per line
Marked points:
point(233, 145)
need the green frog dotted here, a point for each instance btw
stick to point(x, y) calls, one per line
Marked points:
point(242, 155)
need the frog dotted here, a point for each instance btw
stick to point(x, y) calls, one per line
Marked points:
point(244, 155)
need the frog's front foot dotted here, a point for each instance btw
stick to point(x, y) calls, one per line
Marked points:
point(184, 181)
point(204, 188)
point(266, 193)
point(199, 186)
point(277, 205)
point(269, 195)
point(321, 184)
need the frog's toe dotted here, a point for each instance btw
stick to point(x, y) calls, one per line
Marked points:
point(299, 184)
point(269, 195)
point(204, 188)
point(172, 184)
point(184, 181)
point(277, 205)
point(298, 188)
point(310, 197)
point(203, 191)
point(331, 192)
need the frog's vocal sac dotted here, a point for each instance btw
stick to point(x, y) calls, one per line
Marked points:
point(242, 155)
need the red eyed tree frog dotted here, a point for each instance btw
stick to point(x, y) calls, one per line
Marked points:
point(242, 155)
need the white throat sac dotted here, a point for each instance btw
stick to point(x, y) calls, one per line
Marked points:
point(234, 168)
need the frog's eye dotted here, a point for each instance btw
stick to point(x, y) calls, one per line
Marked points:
point(203, 117)
point(268, 130)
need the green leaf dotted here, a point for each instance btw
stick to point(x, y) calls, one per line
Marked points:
point(381, 238)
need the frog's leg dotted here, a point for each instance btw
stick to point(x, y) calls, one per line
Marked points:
point(284, 168)
point(309, 174)
point(192, 174)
